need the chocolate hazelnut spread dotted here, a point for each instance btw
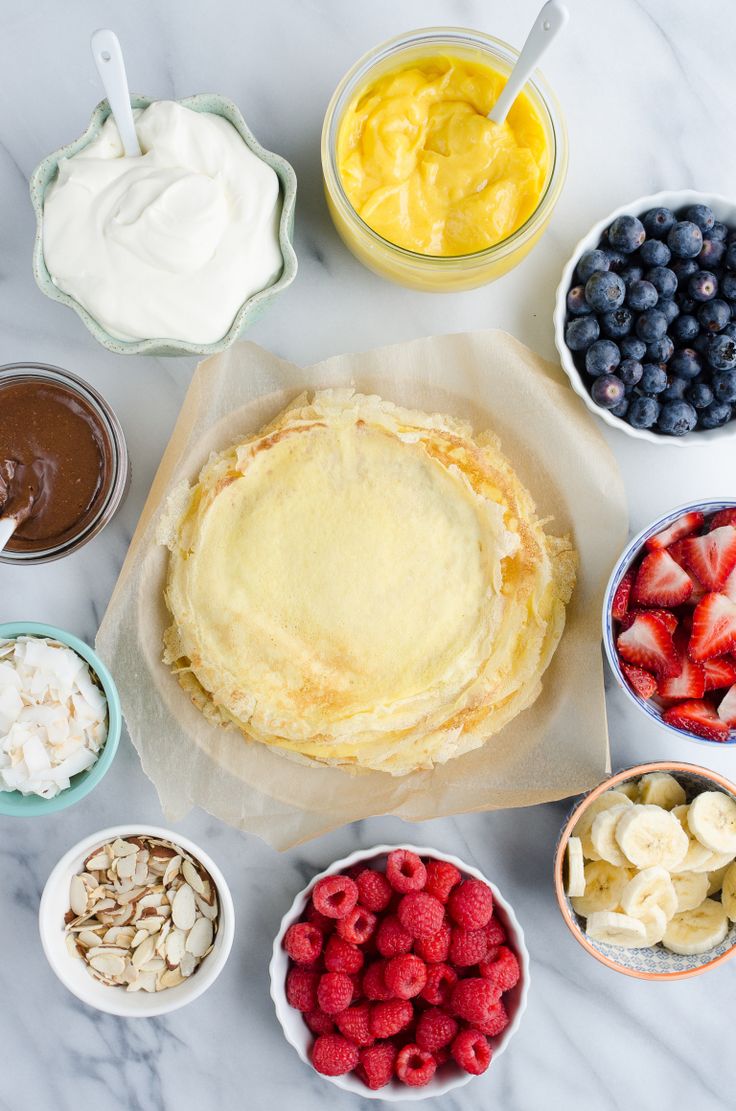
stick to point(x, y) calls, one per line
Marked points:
point(56, 462)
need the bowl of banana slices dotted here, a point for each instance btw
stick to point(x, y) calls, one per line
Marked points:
point(645, 871)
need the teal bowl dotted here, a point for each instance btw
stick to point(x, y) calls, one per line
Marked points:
point(15, 805)
point(250, 310)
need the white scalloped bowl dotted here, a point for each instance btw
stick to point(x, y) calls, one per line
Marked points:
point(298, 1034)
point(725, 211)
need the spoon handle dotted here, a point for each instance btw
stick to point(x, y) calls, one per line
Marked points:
point(108, 58)
point(548, 24)
point(8, 526)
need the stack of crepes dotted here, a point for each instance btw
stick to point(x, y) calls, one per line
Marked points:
point(363, 586)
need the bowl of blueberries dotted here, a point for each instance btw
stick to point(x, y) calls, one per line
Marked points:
point(645, 318)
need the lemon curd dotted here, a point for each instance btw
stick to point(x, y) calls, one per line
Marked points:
point(424, 167)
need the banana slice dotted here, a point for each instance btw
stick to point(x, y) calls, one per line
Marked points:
point(575, 867)
point(617, 929)
point(728, 892)
point(649, 836)
point(696, 931)
point(630, 789)
point(697, 856)
point(661, 789)
point(712, 818)
point(655, 924)
point(714, 862)
point(690, 888)
point(584, 825)
point(602, 835)
point(648, 890)
point(715, 879)
point(604, 884)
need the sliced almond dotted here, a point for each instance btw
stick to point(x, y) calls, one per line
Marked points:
point(123, 848)
point(200, 937)
point(144, 952)
point(188, 964)
point(175, 947)
point(183, 908)
point(209, 910)
point(193, 878)
point(171, 978)
point(108, 965)
point(78, 895)
point(97, 862)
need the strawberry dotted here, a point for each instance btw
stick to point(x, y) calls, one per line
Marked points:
point(719, 672)
point(641, 682)
point(620, 605)
point(712, 557)
point(697, 717)
point(685, 526)
point(714, 628)
point(727, 708)
point(648, 644)
point(690, 683)
point(661, 581)
point(724, 517)
point(667, 617)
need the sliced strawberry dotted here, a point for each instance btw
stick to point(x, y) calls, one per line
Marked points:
point(641, 682)
point(620, 606)
point(719, 672)
point(724, 517)
point(712, 557)
point(727, 708)
point(661, 581)
point(697, 717)
point(677, 552)
point(690, 683)
point(648, 643)
point(714, 628)
point(685, 526)
point(667, 617)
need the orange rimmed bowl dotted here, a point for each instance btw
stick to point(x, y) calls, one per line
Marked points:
point(654, 962)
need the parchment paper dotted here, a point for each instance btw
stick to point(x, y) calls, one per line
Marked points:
point(557, 747)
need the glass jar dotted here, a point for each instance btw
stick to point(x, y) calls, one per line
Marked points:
point(117, 464)
point(437, 273)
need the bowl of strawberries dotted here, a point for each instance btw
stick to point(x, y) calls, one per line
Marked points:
point(669, 621)
point(399, 973)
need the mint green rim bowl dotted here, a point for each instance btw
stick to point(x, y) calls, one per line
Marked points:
point(250, 310)
point(15, 805)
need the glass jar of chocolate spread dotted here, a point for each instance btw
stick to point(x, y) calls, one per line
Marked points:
point(64, 468)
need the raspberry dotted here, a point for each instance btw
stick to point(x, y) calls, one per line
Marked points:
point(436, 948)
point(377, 1064)
point(390, 1017)
point(405, 976)
point(435, 1030)
point(335, 896)
point(471, 1051)
point(414, 1066)
point(374, 890)
point(495, 932)
point(301, 988)
point(333, 1055)
point(392, 939)
point(357, 926)
point(324, 924)
point(473, 998)
point(420, 914)
point(405, 871)
point(441, 980)
point(374, 984)
point(495, 1021)
point(334, 992)
point(303, 942)
point(471, 904)
point(356, 980)
point(441, 878)
point(319, 1023)
point(504, 972)
point(353, 1024)
point(467, 946)
point(341, 956)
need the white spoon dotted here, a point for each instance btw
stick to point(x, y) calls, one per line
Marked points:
point(108, 57)
point(548, 24)
point(8, 526)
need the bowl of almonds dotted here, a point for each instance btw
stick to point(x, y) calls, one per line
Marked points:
point(136, 921)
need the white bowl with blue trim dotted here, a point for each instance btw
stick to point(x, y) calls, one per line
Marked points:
point(629, 556)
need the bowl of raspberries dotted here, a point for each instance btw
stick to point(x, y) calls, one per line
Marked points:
point(669, 621)
point(399, 973)
point(645, 318)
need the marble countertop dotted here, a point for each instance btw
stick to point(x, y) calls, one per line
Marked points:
point(648, 104)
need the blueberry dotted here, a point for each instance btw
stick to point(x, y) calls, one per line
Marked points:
point(712, 253)
point(728, 285)
point(617, 260)
point(699, 395)
point(670, 309)
point(677, 418)
point(719, 231)
point(715, 415)
point(631, 274)
point(684, 328)
point(702, 286)
point(653, 378)
point(730, 330)
point(576, 303)
point(642, 295)
point(626, 234)
point(700, 343)
point(633, 348)
point(581, 332)
point(675, 390)
point(721, 352)
point(620, 409)
point(607, 391)
point(588, 263)
point(724, 386)
point(663, 279)
point(630, 372)
point(643, 412)
point(604, 291)
point(618, 323)
point(658, 221)
point(687, 363)
point(714, 315)
point(731, 255)
point(602, 357)
point(685, 239)
point(651, 325)
point(661, 350)
point(682, 268)
point(701, 215)
point(655, 253)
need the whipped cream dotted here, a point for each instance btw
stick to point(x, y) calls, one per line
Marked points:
point(168, 245)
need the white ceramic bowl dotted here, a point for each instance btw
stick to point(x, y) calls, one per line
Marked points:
point(73, 973)
point(725, 211)
point(299, 1035)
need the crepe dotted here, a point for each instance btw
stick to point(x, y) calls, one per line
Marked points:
point(363, 586)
